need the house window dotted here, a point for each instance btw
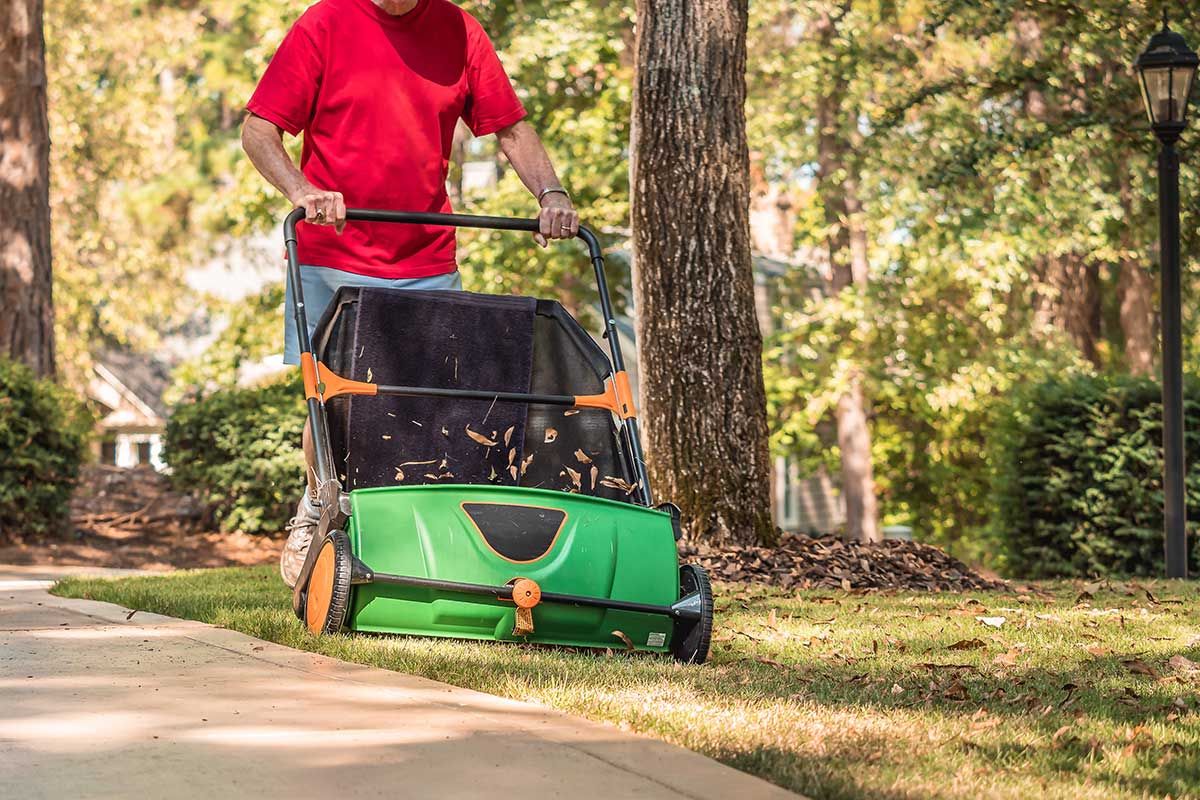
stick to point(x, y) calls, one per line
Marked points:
point(108, 452)
point(143, 452)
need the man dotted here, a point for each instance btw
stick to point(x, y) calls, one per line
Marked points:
point(377, 87)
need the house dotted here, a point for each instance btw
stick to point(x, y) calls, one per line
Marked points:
point(127, 391)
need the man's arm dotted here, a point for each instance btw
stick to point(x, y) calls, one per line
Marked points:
point(263, 142)
point(528, 156)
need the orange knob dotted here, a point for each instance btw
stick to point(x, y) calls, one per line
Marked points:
point(526, 593)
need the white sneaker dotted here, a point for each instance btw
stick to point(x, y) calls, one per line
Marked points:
point(301, 529)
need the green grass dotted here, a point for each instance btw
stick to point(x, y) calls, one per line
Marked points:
point(832, 694)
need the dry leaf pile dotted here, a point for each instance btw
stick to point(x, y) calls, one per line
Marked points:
point(804, 562)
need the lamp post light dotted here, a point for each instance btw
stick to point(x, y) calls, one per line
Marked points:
point(1167, 69)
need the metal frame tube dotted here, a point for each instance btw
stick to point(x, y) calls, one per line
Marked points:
point(505, 593)
point(316, 408)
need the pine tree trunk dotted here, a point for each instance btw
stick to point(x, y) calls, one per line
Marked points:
point(849, 266)
point(27, 318)
point(702, 393)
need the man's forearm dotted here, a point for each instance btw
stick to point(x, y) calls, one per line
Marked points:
point(263, 143)
point(524, 150)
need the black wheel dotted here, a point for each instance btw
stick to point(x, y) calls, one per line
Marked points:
point(692, 637)
point(327, 595)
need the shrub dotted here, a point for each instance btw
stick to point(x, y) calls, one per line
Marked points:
point(240, 449)
point(1078, 487)
point(43, 433)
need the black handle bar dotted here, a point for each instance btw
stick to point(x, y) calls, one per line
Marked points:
point(445, 220)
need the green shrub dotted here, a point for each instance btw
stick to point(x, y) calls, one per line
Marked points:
point(43, 434)
point(1078, 487)
point(240, 449)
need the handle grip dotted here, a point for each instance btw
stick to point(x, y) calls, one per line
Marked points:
point(445, 220)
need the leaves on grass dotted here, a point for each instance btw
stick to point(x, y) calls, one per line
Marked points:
point(770, 662)
point(968, 644)
point(992, 622)
point(1139, 667)
point(1183, 664)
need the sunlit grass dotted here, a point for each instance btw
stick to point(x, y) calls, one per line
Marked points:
point(835, 694)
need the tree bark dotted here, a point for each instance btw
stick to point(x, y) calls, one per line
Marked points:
point(847, 243)
point(1136, 295)
point(26, 310)
point(699, 341)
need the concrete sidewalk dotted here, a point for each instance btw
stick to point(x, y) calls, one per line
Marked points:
point(97, 706)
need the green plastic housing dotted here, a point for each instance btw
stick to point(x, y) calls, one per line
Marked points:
point(604, 549)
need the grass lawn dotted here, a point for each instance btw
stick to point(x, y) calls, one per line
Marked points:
point(1078, 691)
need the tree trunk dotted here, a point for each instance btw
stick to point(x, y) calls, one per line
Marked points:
point(1135, 292)
point(27, 318)
point(849, 266)
point(699, 341)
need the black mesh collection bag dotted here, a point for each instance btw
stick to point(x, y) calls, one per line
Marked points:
point(462, 340)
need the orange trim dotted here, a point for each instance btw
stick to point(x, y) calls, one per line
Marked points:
point(526, 593)
point(336, 385)
point(625, 395)
point(617, 397)
point(308, 368)
point(330, 384)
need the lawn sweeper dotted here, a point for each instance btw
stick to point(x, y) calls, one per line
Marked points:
point(479, 471)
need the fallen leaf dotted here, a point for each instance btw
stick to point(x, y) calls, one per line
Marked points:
point(571, 412)
point(628, 642)
point(370, 375)
point(130, 614)
point(512, 470)
point(1099, 650)
point(508, 437)
point(968, 644)
point(575, 478)
point(526, 462)
point(387, 438)
point(993, 622)
point(480, 438)
point(769, 662)
point(1139, 667)
point(897, 689)
point(1008, 659)
point(551, 435)
point(1182, 664)
point(512, 455)
point(445, 432)
point(595, 472)
point(582, 457)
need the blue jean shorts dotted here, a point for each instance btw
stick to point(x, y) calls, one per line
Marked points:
point(321, 283)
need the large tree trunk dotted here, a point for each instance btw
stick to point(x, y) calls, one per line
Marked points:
point(849, 266)
point(699, 341)
point(26, 312)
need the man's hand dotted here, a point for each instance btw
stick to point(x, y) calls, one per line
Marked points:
point(321, 207)
point(558, 219)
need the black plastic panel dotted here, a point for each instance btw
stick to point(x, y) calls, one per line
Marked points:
point(518, 533)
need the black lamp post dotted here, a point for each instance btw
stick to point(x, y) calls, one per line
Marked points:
point(1167, 69)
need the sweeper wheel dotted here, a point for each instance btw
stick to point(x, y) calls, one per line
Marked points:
point(327, 597)
point(692, 638)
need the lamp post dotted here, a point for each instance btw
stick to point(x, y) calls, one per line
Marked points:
point(1167, 68)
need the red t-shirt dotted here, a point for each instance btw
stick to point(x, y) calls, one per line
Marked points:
point(377, 97)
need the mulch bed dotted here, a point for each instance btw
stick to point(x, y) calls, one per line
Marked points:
point(131, 518)
point(803, 562)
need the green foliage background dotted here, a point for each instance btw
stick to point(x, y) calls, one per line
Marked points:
point(966, 192)
point(1078, 488)
point(240, 450)
point(43, 434)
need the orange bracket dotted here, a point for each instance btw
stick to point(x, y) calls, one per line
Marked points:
point(324, 384)
point(617, 397)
